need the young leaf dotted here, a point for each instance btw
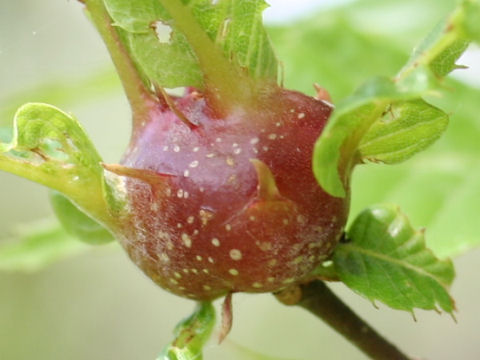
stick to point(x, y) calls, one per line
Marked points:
point(77, 223)
point(166, 48)
point(354, 117)
point(37, 247)
point(50, 147)
point(191, 335)
point(386, 259)
point(406, 128)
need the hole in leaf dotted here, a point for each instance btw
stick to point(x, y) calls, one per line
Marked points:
point(163, 32)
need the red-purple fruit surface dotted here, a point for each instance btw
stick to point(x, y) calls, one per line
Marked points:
point(229, 203)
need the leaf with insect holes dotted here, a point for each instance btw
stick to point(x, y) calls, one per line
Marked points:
point(38, 246)
point(354, 117)
point(386, 259)
point(160, 47)
point(191, 335)
point(50, 147)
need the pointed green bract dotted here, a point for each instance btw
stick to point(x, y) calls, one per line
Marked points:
point(162, 52)
point(352, 119)
point(191, 335)
point(386, 259)
point(50, 147)
point(37, 247)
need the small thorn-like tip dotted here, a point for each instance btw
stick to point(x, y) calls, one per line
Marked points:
point(267, 187)
point(175, 109)
point(322, 93)
point(149, 176)
point(227, 318)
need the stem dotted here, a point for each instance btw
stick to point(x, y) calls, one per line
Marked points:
point(225, 83)
point(318, 299)
point(138, 95)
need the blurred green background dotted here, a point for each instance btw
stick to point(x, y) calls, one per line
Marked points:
point(99, 305)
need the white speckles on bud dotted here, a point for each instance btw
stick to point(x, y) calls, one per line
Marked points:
point(195, 271)
point(264, 245)
point(190, 219)
point(233, 272)
point(257, 285)
point(298, 260)
point(272, 136)
point(289, 281)
point(285, 221)
point(229, 160)
point(180, 193)
point(199, 258)
point(270, 279)
point(186, 173)
point(301, 219)
point(176, 148)
point(236, 254)
point(177, 275)
point(215, 242)
point(154, 207)
point(237, 151)
point(194, 164)
point(301, 115)
point(228, 227)
point(164, 258)
point(187, 241)
point(174, 282)
point(210, 155)
point(254, 141)
point(207, 288)
point(205, 271)
point(195, 149)
point(205, 216)
point(210, 260)
point(272, 262)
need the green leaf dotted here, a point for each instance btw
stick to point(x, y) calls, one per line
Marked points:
point(405, 129)
point(336, 151)
point(438, 188)
point(37, 247)
point(387, 260)
point(166, 51)
point(50, 147)
point(77, 223)
point(191, 335)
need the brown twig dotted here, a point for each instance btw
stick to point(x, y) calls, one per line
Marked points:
point(318, 299)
